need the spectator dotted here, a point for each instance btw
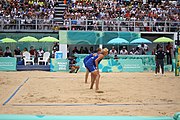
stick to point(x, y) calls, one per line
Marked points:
point(113, 51)
point(17, 51)
point(7, 52)
point(40, 52)
point(157, 47)
point(81, 51)
point(75, 50)
point(56, 46)
point(132, 52)
point(32, 51)
point(86, 50)
point(53, 52)
point(143, 49)
point(124, 51)
point(91, 50)
point(169, 48)
point(137, 51)
point(24, 50)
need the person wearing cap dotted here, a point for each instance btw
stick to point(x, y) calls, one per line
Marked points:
point(113, 51)
point(159, 57)
point(124, 51)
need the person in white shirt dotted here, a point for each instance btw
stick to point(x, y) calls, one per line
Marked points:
point(143, 48)
point(40, 52)
point(124, 51)
point(113, 51)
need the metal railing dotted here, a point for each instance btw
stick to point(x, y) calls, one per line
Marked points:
point(89, 25)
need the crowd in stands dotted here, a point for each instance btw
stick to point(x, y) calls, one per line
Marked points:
point(112, 11)
point(26, 12)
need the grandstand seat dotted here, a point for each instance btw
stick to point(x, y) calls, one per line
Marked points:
point(27, 58)
point(45, 58)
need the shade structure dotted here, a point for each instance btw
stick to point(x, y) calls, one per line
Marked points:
point(48, 39)
point(28, 39)
point(163, 40)
point(118, 41)
point(140, 40)
point(8, 40)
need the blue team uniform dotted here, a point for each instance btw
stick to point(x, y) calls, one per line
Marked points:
point(87, 58)
point(90, 63)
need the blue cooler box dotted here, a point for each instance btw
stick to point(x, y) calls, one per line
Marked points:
point(58, 55)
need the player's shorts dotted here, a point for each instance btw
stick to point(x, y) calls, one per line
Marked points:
point(91, 68)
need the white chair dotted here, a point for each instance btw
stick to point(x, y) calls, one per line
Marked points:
point(27, 58)
point(45, 58)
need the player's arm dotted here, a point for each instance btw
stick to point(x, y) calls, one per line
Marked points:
point(98, 59)
point(94, 54)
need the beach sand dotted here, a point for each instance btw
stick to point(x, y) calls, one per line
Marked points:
point(47, 93)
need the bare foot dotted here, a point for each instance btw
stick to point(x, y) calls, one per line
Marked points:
point(98, 91)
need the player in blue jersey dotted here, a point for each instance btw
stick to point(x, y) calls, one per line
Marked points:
point(86, 59)
point(92, 66)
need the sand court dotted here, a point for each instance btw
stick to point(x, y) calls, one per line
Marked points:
point(60, 93)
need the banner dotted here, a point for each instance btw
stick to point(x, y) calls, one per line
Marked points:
point(59, 65)
point(130, 65)
point(125, 63)
point(93, 37)
point(7, 64)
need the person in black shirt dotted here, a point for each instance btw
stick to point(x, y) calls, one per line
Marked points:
point(159, 57)
point(17, 51)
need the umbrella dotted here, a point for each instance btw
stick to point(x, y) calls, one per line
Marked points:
point(48, 39)
point(140, 40)
point(163, 40)
point(118, 41)
point(8, 40)
point(28, 39)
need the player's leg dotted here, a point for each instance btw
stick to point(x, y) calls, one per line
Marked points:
point(157, 67)
point(162, 67)
point(86, 75)
point(97, 82)
point(92, 78)
point(94, 75)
